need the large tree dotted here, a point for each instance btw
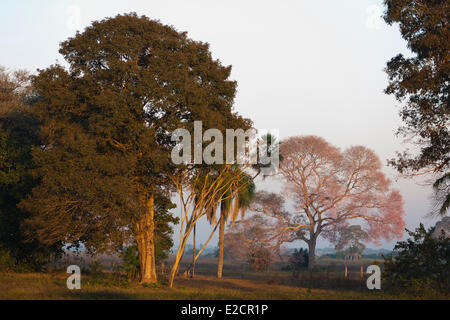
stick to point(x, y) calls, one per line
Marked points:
point(328, 188)
point(421, 83)
point(106, 130)
point(18, 135)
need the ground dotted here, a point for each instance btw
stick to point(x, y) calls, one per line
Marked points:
point(53, 286)
point(240, 283)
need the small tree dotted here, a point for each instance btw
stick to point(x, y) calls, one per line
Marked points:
point(259, 257)
point(298, 260)
point(442, 226)
point(130, 262)
point(251, 240)
point(422, 258)
point(349, 237)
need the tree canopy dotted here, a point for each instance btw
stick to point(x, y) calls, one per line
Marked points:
point(18, 135)
point(421, 84)
point(106, 125)
point(421, 81)
point(328, 188)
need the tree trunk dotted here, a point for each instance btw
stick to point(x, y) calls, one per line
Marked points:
point(146, 244)
point(221, 244)
point(178, 257)
point(193, 254)
point(311, 253)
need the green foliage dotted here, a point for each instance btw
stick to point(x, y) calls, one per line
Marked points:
point(7, 261)
point(272, 144)
point(441, 189)
point(107, 123)
point(163, 239)
point(163, 227)
point(420, 82)
point(96, 270)
point(235, 200)
point(95, 275)
point(130, 262)
point(298, 260)
point(156, 285)
point(18, 136)
point(421, 260)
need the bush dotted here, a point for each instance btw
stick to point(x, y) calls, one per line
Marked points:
point(12, 261)
point(130, 262)
point(298, 260)
point(259, 258)
point(96, 271)
point(420, 262)
point(7, 261)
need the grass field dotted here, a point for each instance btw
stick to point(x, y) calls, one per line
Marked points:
point(53, 286)
point(238, 284)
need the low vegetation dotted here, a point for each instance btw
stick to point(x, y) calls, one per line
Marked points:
point(238, 284)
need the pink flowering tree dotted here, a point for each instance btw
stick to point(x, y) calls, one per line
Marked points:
point(329, 189)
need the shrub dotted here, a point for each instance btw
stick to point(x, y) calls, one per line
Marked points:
point(421, 261)
point(259, 258)
point(7, 261)
point(96, 270)
point(130, 262)
point(299, 259)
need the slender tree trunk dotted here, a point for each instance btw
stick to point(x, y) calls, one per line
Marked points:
point(221, 244)
point(311, 253)
point(177, 261)
point(193, 254)
point(180, 253)
point(146, 244)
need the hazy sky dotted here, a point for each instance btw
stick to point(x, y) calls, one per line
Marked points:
point(303, 67)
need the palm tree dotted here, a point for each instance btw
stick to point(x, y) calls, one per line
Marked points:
point(236, 201)
point(442, 194)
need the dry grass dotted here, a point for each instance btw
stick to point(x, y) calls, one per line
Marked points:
point(52, 286)
point(240, 283)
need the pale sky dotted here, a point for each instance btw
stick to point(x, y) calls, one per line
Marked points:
point(303, 67)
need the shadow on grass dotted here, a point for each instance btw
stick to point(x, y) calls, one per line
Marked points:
point(212, 284)
point(99, 295)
